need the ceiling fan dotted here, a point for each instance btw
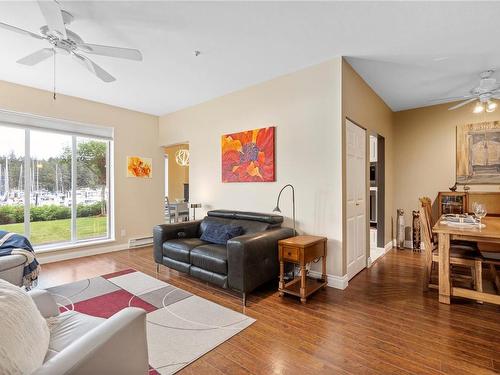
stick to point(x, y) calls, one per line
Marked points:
point(484, 94)
point(67, 42)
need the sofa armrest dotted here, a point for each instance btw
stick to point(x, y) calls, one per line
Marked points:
point(45, 302)
point(11, 268)
point(116, 346)
point(253, 258)
point(165, 232)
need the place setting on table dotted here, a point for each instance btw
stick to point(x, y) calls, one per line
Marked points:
point(466, 220)
point(478, 228)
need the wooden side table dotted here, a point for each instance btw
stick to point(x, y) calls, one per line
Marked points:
point(302, 250)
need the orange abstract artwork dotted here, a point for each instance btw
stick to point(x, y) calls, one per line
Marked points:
point(248, 156)
point(139, 167)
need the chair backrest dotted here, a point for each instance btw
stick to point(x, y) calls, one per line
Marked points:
point(426, 229)
point(427, 204)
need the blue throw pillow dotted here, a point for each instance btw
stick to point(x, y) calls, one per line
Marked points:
point(219, 233)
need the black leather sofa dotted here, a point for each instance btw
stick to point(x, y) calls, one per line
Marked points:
point(246, 262)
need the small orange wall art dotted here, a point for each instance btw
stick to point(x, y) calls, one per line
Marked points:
point(249, 156)
point(139, 167)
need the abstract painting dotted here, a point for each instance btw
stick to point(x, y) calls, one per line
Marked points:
point(478, 153)
point(138, 166)
point(248, 156)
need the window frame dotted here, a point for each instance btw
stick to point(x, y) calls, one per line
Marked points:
point(75, 131)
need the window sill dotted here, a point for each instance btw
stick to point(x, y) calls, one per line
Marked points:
point(68, 246)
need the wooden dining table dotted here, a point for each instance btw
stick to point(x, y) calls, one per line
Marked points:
point(488, 234)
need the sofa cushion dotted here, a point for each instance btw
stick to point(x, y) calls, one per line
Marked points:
point(209, 276)
point(24, 333)
point(219, 233)
point(179, 249)
point(67, 328)
point(249, 226)
point(210, 257)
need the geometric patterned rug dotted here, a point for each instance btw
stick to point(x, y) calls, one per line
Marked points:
point(181, 327)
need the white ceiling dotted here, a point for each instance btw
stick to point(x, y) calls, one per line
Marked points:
point(408, 52)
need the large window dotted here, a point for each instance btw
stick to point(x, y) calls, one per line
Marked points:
point(54, 186)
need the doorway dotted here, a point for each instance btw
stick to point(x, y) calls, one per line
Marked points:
point(355, 198)
point(176, 183)
point(377, 197)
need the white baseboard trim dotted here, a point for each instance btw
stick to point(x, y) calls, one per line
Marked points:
point(375, 253)
point(337, 282)
point(389, 245)
point(56, 256)
point(378, 252)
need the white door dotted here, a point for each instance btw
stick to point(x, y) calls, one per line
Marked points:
point(356, 198)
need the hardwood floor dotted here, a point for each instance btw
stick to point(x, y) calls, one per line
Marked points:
point(381, 324)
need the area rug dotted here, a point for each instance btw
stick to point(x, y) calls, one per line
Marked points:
point(181, 327)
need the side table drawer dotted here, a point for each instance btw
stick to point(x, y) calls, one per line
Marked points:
point(290, 253)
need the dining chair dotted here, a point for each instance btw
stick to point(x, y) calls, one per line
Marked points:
point(460, 254)
point(491, 258)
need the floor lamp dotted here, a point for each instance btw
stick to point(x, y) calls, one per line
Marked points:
point(277, 208)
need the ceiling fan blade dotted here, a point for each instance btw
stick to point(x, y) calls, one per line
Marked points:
point(52, 13)
point(122, 53)
point(94, 68)
point(36, 57)
point(462, 104)
point(451, 98)
point(20, 31)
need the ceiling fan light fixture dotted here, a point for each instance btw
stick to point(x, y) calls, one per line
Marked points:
point(491, 106)
point(478, 108)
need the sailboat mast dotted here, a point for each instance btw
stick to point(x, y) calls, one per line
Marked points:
point(1, 189)
point(20, 184)
point(57, 179)
point(7, 189)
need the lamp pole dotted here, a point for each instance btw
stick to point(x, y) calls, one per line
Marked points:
point(277, 208)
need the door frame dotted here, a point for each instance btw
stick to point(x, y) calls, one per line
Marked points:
point(344, 194)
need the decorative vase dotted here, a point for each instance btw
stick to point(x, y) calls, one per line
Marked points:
point(416, 230)
point(400, 225)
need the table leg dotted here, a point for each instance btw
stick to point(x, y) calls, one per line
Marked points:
point(282, 278)
point(303, 274)
point(323, 268)
point(444, 268)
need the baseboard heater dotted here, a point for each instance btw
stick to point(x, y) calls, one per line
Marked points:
point(140, 242)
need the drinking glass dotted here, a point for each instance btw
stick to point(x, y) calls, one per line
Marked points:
point(479, 211)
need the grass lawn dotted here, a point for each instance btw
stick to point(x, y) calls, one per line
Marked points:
point(45, 232)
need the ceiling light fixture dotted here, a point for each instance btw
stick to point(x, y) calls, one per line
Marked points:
point(182, 157)
point(491, 106)
point(478, 108)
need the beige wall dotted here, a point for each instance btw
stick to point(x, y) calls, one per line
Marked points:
point(364, 107)
point(425, 152)
point(177, 174)
point(305, 108)
point(138, 202)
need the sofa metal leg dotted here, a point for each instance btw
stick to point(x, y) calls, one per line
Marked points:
point(157, 267)
point(244, 299)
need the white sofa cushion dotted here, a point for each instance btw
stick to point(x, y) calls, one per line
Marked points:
point(24, 333)
point(68, 327)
